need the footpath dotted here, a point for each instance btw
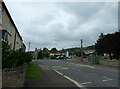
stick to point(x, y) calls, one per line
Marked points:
point(49, 79)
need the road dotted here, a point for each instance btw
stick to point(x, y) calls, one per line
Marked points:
point(85, 75)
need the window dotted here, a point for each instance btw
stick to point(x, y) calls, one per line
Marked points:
point(4, 35)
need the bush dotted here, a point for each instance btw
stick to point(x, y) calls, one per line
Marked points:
point(52, 57)
point(28, 57)
point(6, 52)
point(13, 59)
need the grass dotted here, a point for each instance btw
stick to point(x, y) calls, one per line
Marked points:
point(33, 71)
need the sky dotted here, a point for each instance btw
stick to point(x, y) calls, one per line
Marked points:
point(63, 24)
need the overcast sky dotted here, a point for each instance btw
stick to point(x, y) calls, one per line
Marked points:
point(63, 24)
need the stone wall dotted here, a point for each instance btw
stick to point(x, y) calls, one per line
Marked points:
point(14, 77)
point(112, 63)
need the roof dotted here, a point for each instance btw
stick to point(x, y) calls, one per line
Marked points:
point(5, 8)
point(88, 51)
point(56, 52)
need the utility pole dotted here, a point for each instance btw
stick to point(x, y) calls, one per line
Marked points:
point(82, 49)
point(81, 43)
point(29, 47)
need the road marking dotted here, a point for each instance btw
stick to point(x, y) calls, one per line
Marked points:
point(85, 83)
point(73, 81)
point(57, 72)
point(87, 66)
point(82, 65)
point(59, 67)
point(106, 79)
point(64, 68)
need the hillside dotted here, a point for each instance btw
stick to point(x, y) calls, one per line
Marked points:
point(78, 48)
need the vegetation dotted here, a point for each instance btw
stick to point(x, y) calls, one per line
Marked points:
point(78, 53)
point(40, 55)
point(33, 70)
point(109, 44)
point(13, 59)
point(52, 57)
point(43, 53)
point(78, 48)
point(53, 49)
point(6, 51)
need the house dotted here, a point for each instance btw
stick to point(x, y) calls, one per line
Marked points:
point(53, 53)
point(56, 53)
point(87, 51)
point(35, 53)
point(8, 29)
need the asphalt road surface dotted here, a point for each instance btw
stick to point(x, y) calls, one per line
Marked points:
point(85, 75)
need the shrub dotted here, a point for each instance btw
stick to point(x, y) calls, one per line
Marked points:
point(52, 57)
point(6, 52)
point(13, 59)
point(28, 57)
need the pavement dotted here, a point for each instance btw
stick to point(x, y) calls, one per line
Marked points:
point(49, 78)
point(0, 78)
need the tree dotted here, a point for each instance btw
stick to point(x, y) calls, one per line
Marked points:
point(45, 52)
point(40, 55)
point(110, 44)
point(53, 49)
point(78, 53)
point(13, 59)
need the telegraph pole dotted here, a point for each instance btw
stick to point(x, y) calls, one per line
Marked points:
point(81, 43)
point(29, 47)
point(82, 49)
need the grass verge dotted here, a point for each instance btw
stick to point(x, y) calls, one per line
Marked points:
point(33, 71)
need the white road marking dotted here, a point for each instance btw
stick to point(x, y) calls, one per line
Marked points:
point(87, 66)
point(82, 65)
point(64, 68)
point(70, 79)
point(106, 79)
point(59, 67)
point(85, 83)
point(57, 72)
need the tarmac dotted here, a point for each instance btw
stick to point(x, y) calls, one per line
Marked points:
point(48, 79)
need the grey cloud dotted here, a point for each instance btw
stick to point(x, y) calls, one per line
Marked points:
point(62, 25)
point(83, 9)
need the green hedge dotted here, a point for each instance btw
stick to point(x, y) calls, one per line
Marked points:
point(13, 59)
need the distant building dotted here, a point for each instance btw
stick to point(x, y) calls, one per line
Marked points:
point(35, 54)
point(8, 29)
point(88, 51)
point(57, 53)
point(67, 54)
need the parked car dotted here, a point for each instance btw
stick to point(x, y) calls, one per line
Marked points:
point(60, 57)
point(69, 57)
